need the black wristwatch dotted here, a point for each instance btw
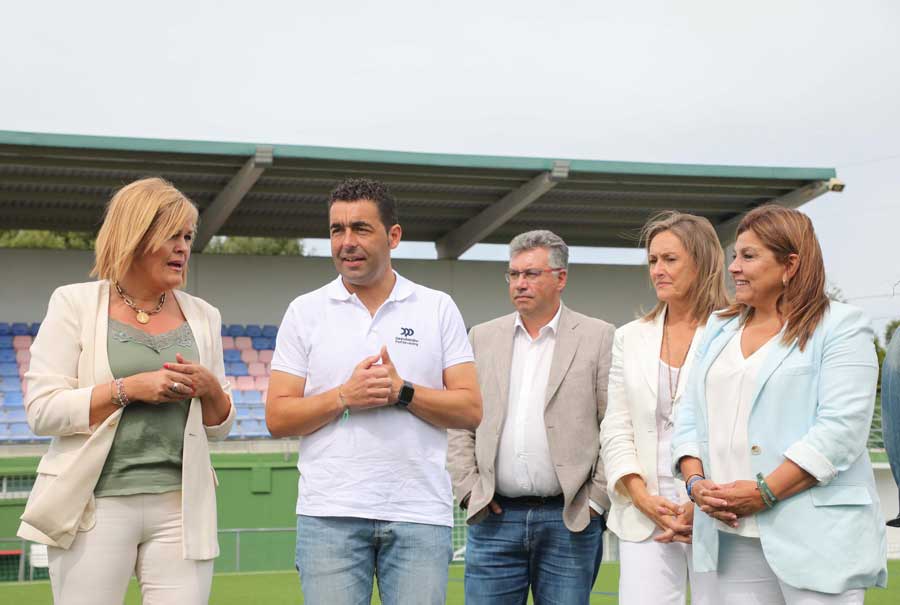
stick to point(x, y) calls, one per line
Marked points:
point(406, 394)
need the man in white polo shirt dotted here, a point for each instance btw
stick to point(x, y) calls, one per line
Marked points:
point(370, 371)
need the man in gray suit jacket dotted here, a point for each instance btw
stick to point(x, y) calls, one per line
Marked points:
point(530, 476)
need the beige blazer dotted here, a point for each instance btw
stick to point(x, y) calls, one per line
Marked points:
point(575, 404)
point(68, 358)
point(628, 435)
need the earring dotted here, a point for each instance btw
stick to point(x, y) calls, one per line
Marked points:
point(784, 281)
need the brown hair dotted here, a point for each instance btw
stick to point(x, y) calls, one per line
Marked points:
point(139, 218)
point(696, 234)
point(803, 301)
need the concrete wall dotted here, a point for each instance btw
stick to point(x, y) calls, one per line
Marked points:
point(257, 289)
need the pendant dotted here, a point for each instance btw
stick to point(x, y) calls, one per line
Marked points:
point(142, 317)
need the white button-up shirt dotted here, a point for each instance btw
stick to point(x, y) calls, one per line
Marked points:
point(524, 466)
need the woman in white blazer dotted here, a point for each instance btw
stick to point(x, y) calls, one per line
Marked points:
point(651, 360)
point(771, 435)
point(127, 376)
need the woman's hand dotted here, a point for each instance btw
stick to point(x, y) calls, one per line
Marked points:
point(159, 386)
point(202, 380)
point(704, 492)
point(664, 513)
point(684, 520)
point(742, 498)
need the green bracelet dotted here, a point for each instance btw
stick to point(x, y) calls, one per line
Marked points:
point(765, 491)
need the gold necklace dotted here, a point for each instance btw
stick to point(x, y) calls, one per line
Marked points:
point(143, 317)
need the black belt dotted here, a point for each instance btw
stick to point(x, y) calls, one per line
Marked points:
point(531, 501)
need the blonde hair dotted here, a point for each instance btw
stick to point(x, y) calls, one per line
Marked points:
point(707, 293)
point(139, 218)
point(803, 301)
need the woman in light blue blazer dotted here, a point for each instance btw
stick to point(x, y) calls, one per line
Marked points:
point(771, 435)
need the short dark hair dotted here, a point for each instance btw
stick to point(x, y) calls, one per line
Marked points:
point(353, 190)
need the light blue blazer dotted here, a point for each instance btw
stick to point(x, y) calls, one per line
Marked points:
point(814, 407)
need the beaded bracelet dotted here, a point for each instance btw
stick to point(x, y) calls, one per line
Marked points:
point(768, 497)
point(690, 485)
point(120, 398)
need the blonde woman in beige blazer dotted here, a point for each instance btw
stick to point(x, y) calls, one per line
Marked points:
point(651, 360)
point(127, 486)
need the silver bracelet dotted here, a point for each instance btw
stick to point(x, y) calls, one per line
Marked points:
point(120, 399)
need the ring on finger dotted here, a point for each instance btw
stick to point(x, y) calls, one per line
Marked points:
point(175, 387)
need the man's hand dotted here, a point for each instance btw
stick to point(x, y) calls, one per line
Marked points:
point(368, 387)
point(396, 381)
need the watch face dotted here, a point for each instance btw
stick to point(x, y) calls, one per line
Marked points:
point(406, 394)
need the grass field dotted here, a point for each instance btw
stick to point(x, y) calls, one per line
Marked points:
point(281, 588)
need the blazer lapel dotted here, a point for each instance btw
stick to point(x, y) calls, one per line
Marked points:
point(102, 371)
point(503, 363)
point(563, 353)
point(726, 333)
point(688, 362)
point(773, 360)
point(652, 335)
point(199, 326)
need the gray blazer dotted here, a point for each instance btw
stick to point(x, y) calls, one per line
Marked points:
point(574, 408)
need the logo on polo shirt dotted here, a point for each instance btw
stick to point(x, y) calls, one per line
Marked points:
point(406, 337)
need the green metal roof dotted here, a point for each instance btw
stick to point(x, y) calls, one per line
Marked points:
point(61, 182)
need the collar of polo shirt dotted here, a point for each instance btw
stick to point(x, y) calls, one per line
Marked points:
point(402, 289)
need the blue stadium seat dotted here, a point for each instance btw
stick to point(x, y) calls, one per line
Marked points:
point(19, 329)
point(232, 355)
point(261, 344)
point(238, 368)
point(12, 398)
point(235, 330)
point(224, 330)
point(19, 431)
point(252, 397)
point(15, 415)
point(237, 397)
point(242, 412)
point(10, 385)
point(6, 341)
point(254, 428)
point(252, 330)
point(34, 328)
point(270, 331)
point(9, 369)
point(4, 328)
point(7, 356)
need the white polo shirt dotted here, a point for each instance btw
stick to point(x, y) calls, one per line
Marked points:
point(384, 463)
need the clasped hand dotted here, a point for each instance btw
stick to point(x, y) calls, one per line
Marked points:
point(674, 520)
point(728, 502)
point(372, 384)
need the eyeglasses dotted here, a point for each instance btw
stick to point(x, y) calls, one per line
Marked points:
point(529, 274)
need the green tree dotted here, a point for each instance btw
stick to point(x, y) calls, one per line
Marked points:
point(889, 331)
point(263, 246)
point(55, 240)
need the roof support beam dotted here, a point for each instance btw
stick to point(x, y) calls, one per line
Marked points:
point(455, 243)
point(228, 199)
point(793, 199)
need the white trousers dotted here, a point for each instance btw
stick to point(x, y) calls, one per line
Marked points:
point(745, 578)
point(650, 572)
point(138, 534)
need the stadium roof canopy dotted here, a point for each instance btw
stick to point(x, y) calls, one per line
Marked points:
point(61, 182)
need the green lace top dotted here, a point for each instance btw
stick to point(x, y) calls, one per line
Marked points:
point(146, 454)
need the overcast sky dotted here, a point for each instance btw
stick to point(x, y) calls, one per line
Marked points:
point(783, 83)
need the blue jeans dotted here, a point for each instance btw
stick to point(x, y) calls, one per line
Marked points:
point(530, 547)
point(337, 558)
